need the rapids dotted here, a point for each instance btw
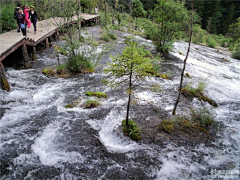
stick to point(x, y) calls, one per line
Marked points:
point(41, 139)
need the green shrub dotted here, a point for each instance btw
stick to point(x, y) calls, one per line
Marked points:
point(211, 42)
point(97, 94)
point(131, 130)
point(61, 69)
point(105, 37)
point(7, 21)
point(198, 35)
point(236, 55)
point(149, 27)
point(79, 63)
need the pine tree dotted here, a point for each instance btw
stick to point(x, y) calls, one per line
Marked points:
point(129, 67)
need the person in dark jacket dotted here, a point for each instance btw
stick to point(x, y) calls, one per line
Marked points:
point(16, 15)
point(21, 18)
point(33, 16)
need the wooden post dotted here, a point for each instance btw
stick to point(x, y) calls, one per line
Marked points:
point(3, 78)
point(47, 44)
point(57, 34)
point(25, 56)
point(34, 57)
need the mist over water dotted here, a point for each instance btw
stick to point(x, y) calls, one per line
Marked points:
point(41, 139)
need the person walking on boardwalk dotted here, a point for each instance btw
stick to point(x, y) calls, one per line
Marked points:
point(21, 18)
point(16, 10)
point(27, 18)
point(33, 16)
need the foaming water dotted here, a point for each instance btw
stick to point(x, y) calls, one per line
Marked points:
point(41, 139)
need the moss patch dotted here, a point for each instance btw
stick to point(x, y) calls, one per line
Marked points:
point(69, 106)
point(4, 84)
point(96, 94)
point(131, 130)
point(92, 103)
point(164, 76)
point(188, 75)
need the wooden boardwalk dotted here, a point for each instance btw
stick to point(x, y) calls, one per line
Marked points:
point(12, 40)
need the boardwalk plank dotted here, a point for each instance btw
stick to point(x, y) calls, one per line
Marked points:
point(10, 39)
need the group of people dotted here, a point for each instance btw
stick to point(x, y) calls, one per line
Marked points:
point(24, 16)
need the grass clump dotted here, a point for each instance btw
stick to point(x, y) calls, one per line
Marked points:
point(203, 117)
point(108, 35)
point(92, 103)
point(97, 94)
point(156, 88)
point(189, 91)
point(105, 37)
point(48, 71)
point(199, 120)
point(61, 69)
point(131, 130)
point(167, 125)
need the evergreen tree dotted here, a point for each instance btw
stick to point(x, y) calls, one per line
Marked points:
point(129, 67)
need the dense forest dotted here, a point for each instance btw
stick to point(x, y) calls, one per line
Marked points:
point(215, 16)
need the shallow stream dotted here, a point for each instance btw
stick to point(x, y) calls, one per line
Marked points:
point(41, 139)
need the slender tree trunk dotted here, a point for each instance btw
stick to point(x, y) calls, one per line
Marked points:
point(105, 3)
point(130, 13)
point(184, 64)
point(79, 19)
point(129, 98)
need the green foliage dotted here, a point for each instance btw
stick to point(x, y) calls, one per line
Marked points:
point(167, 126)
point(79, 63)
point(150, 28)
point(108, 34)
point(131, 130)
point(138, 10)
point(92, 103)
point(131, 65)
point(105, 37)
point(97, 94)
point(7, 21)
point(236, 55)
point(211, 42)
point(61, 69)
point(199, 119)
point(234, 30)
point(203, 117)
point(197, 92)
point(198, 34)
point(171, 17)
point(133, 59)
point(48, 71)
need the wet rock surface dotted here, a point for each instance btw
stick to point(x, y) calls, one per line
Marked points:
point(41, 139)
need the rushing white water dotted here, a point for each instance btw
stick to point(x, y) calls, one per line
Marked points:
point(41, 139)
